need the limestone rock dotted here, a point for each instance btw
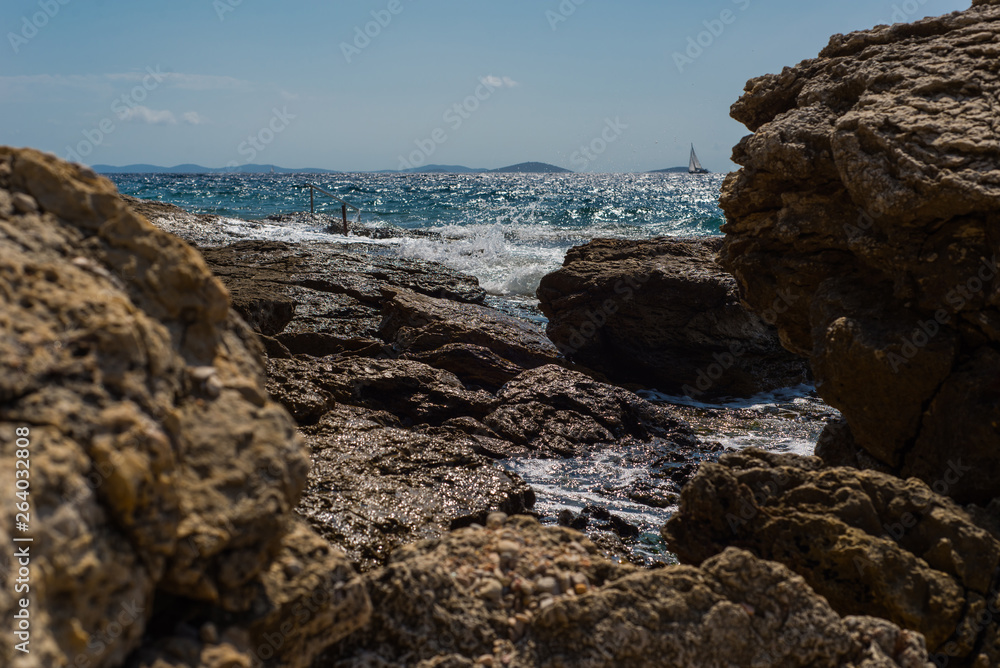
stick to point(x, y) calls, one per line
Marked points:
point(662, 313)
point(417, 323)
point(375, 486)
point(336, 291)
point(412, 391)
point(869, 542)
point(521, 595)
point(553, 411)
point(867, 199)
point(159, 468)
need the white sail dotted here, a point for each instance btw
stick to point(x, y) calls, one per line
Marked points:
point(694, 166)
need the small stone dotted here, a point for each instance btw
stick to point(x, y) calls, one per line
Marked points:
point(508, 549)
point(580, 589)
point(496, 520)
point(202, 373)
point(213, 387)
point(208, 633)
point(491, 590)
point(24, 203)
point(486, 660)
point(547, 585)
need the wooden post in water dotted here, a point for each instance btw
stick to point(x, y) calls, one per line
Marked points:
point(343, 212)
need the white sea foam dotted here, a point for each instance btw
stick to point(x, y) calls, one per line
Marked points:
point(507, 259)
point(782, 396)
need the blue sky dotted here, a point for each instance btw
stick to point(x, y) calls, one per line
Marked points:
point(590, 85)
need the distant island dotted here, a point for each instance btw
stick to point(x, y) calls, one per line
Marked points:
point(532, 168)
point(522, 168)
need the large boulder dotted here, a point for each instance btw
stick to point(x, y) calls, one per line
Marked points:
point(159, 476)
point(417, 324)
point(869, 542)
point(663, 313)
point(517, 594)
point(552, 411)
point(333, 290)
point(867, 201)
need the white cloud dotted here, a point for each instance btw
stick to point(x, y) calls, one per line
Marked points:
point(192, 118)
point(499, 82)
point(150, 116)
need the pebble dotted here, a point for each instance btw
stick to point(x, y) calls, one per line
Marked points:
point(486, 660)
point(491, 590)
point(24, 203)
point(547, 585)
point(496, 520)
point(202, 373)
point(208, 633)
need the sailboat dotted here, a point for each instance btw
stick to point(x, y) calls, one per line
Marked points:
point(694, 166)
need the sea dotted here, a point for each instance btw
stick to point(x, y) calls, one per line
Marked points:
point(510, 230)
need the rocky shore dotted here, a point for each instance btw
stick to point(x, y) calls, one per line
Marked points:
point(276, 454)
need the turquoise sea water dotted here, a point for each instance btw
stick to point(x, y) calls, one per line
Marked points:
point(508, 230)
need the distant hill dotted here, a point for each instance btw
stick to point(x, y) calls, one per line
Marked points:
point(198, 169)
point(532, 168)
point(443, 169)
point(523, 168)
point(670, 170)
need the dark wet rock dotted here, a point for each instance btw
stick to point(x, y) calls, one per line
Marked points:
point(548, 599)
point(868, 200)
point(266, 311)
point(413, 392)
point(554, 411)
point(663, 313)
point(319, 344)
point(869, 542)
point(163, 478)
point(596, 518)
point(417, 323)
point(376, 486)
point(337, 291)
point(476, 366)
